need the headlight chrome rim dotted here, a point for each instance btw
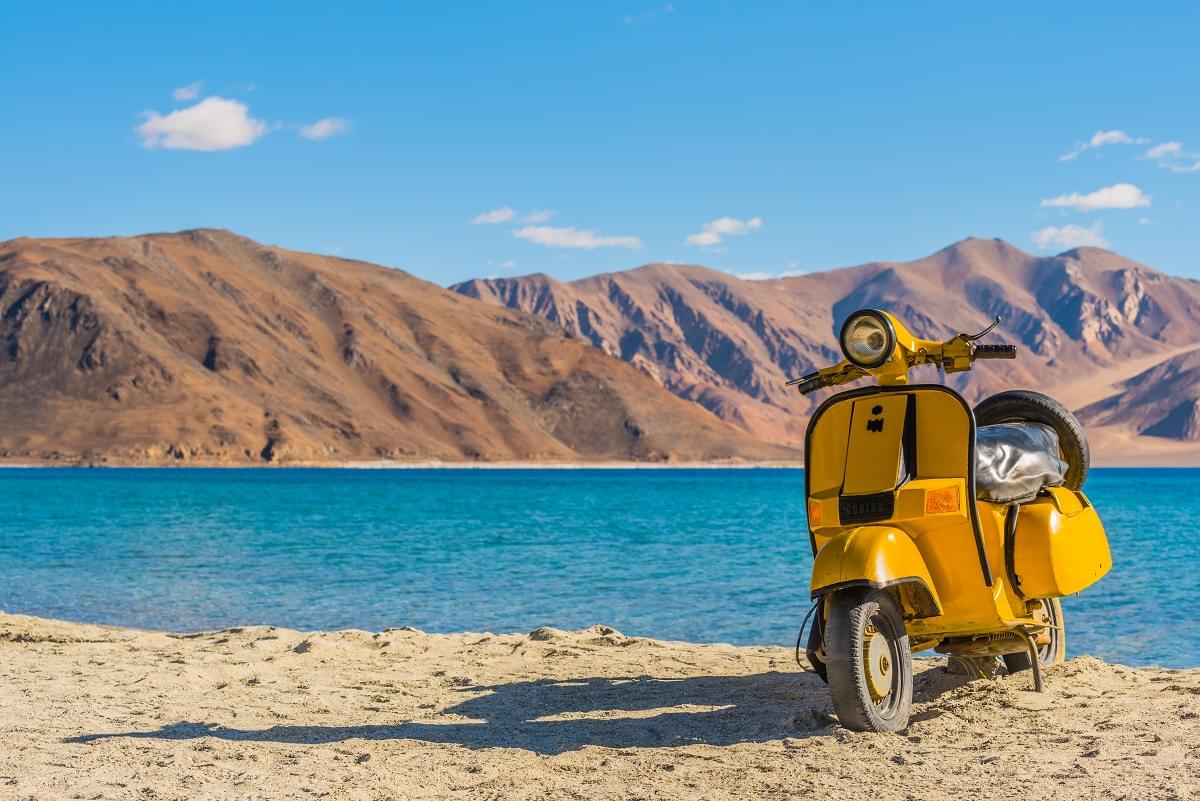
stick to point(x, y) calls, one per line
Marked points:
point(885, 324)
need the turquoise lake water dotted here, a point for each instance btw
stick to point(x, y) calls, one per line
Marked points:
point(701, 555)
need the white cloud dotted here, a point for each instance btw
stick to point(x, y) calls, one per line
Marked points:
point(757, 275)
point(574, 238)
point(212, 124)
point(1165, 150)
point(1100, 139)
point(704, 239)
point(1117, 196)
point(1070, 236)
point(1172, 156)
point(712, 232)
point(325, 128)
point(189, 92)
point(1143, 220)
point(538, 216)
point(501, 215)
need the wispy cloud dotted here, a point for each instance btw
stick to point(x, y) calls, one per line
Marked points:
point(793, 269)
point(1100, 139)
point(649, 14)
point(1070, 236)
point(712, 233)
point(574, 238)
point(189, 92)
point(325, 128)
point(1165, 150)
point(212, 124)
point(501, 215)
point(538, 216)
point(1117, 196)
point(1171, 156)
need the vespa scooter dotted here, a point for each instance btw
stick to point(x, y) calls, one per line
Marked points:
point(911, 550)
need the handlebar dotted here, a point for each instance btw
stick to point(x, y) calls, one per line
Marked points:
point(995, 352)
point(951, 356)
point(829, 377)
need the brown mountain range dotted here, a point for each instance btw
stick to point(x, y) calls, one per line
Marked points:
point(1114, 339)
point(205, 347)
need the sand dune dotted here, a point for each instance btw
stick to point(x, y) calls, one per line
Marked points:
point(94, 712)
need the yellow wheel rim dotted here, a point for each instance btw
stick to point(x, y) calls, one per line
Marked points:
point(879, 664)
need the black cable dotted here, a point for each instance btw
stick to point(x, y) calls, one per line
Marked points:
point(800, 636)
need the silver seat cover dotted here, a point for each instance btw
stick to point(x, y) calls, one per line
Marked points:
point(1015, 460)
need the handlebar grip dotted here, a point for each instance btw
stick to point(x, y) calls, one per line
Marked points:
point(995, 351)
point(808, 383)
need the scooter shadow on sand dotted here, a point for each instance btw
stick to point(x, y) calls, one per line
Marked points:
point(551, 717)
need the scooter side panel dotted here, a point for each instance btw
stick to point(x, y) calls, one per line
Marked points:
point(1059, 547)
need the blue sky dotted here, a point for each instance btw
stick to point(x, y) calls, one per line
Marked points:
point(756, 138)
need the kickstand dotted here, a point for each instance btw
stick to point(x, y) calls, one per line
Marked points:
point(1034, 660)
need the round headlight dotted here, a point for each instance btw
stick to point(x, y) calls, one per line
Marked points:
point(867, 338)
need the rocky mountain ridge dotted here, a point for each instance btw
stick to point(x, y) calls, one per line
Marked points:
point(204, 347)
point(1080, 318)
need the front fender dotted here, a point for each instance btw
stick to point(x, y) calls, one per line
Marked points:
point(876, 556)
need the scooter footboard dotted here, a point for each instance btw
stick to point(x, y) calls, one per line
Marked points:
point(880, 557)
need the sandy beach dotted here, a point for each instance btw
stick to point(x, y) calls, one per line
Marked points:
point(259, 712)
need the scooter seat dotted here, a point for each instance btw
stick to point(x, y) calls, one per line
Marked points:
point(1014, 461)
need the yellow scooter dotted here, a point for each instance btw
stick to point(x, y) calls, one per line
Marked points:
point(906, 556)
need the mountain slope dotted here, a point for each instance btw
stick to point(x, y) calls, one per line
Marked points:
point(206, 347)
point(730, 345)
point(1163, 401)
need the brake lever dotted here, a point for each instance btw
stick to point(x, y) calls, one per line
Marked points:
point(803, 378)
point(981, 334)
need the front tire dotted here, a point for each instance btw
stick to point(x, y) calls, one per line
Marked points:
point(868, 661)
point(1052, 653)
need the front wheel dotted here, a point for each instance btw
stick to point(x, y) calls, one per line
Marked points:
point(1050, 653)
point(868, 661)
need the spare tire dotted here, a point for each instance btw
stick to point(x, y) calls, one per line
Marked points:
point(1027, 406)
